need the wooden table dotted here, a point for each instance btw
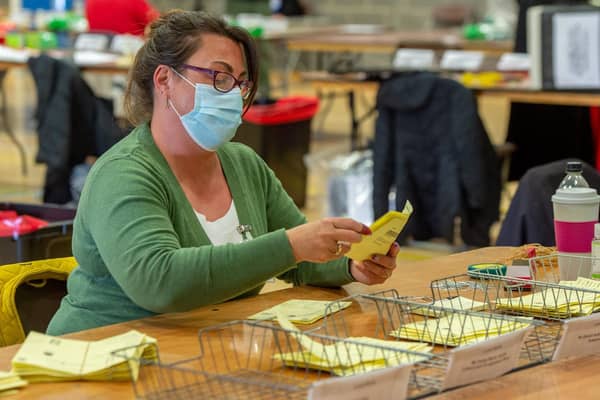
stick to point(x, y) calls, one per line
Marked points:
point(177, 338)
point(5, 66)
point(348, 84)
point(389, 41)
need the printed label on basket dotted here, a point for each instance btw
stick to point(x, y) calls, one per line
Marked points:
point(485, 360)
point(581, 336)
point(384, 384)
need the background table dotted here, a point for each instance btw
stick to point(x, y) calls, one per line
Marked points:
point(328, 85)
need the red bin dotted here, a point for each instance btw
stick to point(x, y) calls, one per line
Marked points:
point(280, 134)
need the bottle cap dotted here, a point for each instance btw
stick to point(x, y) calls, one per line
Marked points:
point(574, 166)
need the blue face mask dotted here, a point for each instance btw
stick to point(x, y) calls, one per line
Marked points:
point(215, 117)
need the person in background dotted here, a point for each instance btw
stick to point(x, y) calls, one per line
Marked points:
point(175, 216)
point(116, 17)
point(289, 8)
point(120, 16)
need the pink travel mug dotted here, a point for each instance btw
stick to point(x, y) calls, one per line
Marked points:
point(575, 213)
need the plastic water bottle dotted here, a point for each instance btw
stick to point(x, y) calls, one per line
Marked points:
point(575, 207)
point(574, 177)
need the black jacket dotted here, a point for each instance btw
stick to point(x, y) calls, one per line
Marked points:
point(72, 123)
point(431, 144)
point(530, 217)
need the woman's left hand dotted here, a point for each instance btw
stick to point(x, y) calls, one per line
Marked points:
point(377, 269)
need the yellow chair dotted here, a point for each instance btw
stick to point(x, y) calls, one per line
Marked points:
point(30, 293)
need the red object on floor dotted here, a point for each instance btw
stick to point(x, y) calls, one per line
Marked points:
point(595, 123)
point(284, 111)
point(14, 225)
point(8, 214)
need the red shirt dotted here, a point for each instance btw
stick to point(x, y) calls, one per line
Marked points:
point(119, 16)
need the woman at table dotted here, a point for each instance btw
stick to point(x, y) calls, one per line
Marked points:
point(175, 216)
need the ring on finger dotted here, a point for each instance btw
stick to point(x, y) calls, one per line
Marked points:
point(339, 248)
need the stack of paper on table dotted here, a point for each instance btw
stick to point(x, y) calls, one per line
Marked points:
point(300, 311)
point(9, 381)
point(344, 358)
point(557, 302)
point(44, 358)
point(454, 303)
point(457, 329)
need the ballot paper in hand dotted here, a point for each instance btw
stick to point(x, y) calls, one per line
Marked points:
point(300, 311)
point(44, 358)
point(384, 232)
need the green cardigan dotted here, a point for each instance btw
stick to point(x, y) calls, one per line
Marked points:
point(141, 249)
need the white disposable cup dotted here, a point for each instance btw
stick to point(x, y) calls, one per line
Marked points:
point(575, 213)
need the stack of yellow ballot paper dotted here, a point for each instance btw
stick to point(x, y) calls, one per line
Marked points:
point(344, 358)
point(454, 303)
point(557, 302)
point(300, 311)
point(9, 381)
point(457, 329)
point(44, 358)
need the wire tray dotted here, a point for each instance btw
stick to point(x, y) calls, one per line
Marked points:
point(545, 296)
point(386, 315)
point(558, 267)
point(239, 360)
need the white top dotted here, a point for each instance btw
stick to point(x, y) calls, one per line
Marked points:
point(223, 230)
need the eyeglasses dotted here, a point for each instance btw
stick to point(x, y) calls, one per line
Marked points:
point(223, 81)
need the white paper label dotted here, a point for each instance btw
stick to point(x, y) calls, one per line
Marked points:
point(575, 52)
point(581, 336)
point(126, 44)
point(518, 271)
point(486, 360)
point(413, 59)
point(514, 62)
point(91, 41)
point(462, 60)
point(384, 384)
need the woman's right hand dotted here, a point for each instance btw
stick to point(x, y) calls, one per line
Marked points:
point(326, 239)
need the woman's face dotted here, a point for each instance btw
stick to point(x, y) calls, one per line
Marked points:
point(217, 53)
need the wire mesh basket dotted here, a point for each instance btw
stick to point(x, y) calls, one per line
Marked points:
point(545, 295)
point(258, 360)
point(386, 315)
point(559, 267)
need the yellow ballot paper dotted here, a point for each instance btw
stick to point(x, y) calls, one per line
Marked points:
point(458, 329)
point(344, 358)
point(557, 302)
point(300, 311)
point(384, 231)
point(454, 303)
point(44, 358)
point(9, 381)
